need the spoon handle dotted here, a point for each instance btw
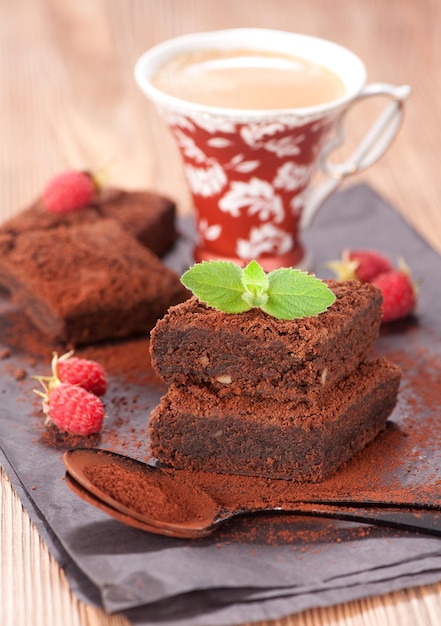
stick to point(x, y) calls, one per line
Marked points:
point(427, 521)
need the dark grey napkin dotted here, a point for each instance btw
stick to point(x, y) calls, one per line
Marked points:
point(253, 568)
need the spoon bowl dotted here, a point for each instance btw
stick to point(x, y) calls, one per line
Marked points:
point(130, 520)
point(142, 492)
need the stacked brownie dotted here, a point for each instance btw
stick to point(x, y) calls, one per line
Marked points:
point(251, 394)
point(92, 274)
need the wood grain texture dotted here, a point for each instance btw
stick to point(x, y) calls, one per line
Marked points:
point(68, 99)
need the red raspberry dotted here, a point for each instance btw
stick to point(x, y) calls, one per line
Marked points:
point(69, 191)
point(364, 265)
point(370, 264)
point(399, 294)
point(73, 409)
point(82, 372)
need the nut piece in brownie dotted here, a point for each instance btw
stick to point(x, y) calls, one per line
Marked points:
point(87, 282)
point(256, 354)
point(194, 429)
point(149, 217)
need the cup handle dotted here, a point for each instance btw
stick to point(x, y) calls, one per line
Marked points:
point(374, 144)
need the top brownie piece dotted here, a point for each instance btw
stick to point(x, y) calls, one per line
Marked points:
point(148, 216)
point(254, 353)
point(87, 282)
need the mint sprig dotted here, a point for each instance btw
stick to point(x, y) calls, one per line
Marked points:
point(284, 293)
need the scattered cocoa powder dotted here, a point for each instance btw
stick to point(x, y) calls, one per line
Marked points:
point(52, 437)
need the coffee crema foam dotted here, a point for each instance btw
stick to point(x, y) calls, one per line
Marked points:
point(248, 79)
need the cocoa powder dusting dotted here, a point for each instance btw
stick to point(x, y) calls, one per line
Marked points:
point(158, 497)
point(52, 437)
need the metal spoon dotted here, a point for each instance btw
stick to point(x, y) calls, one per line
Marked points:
point(205, 515)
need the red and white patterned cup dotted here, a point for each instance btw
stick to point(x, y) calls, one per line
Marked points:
point(250, 171)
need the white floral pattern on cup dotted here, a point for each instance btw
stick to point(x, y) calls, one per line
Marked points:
point(247, 180)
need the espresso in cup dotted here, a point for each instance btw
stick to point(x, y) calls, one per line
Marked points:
point(247, 79)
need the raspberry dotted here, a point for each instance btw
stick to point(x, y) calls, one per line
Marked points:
point(73, 409)
point(364, 265)
point(399, 294)
point(69, 191)
point(82, 372)
point(370, 264)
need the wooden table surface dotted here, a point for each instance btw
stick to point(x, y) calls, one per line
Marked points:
point(68, 99)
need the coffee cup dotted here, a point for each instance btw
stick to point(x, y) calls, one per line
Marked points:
point(255, 113)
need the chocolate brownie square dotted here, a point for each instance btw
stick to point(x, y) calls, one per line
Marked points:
point(194, 429)
point(82, 283)
point(256, 354)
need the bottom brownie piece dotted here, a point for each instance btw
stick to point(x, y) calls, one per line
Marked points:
point(193, 428)
point(87, 282)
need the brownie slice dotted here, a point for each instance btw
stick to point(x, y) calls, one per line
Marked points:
point(148, 216)
point(194, 429)
point(254, 353)
point(87, 282)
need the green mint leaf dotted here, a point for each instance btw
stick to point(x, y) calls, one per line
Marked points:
point(284, 293)
point(218, 284)
point(294, 294)
point(256, 284)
